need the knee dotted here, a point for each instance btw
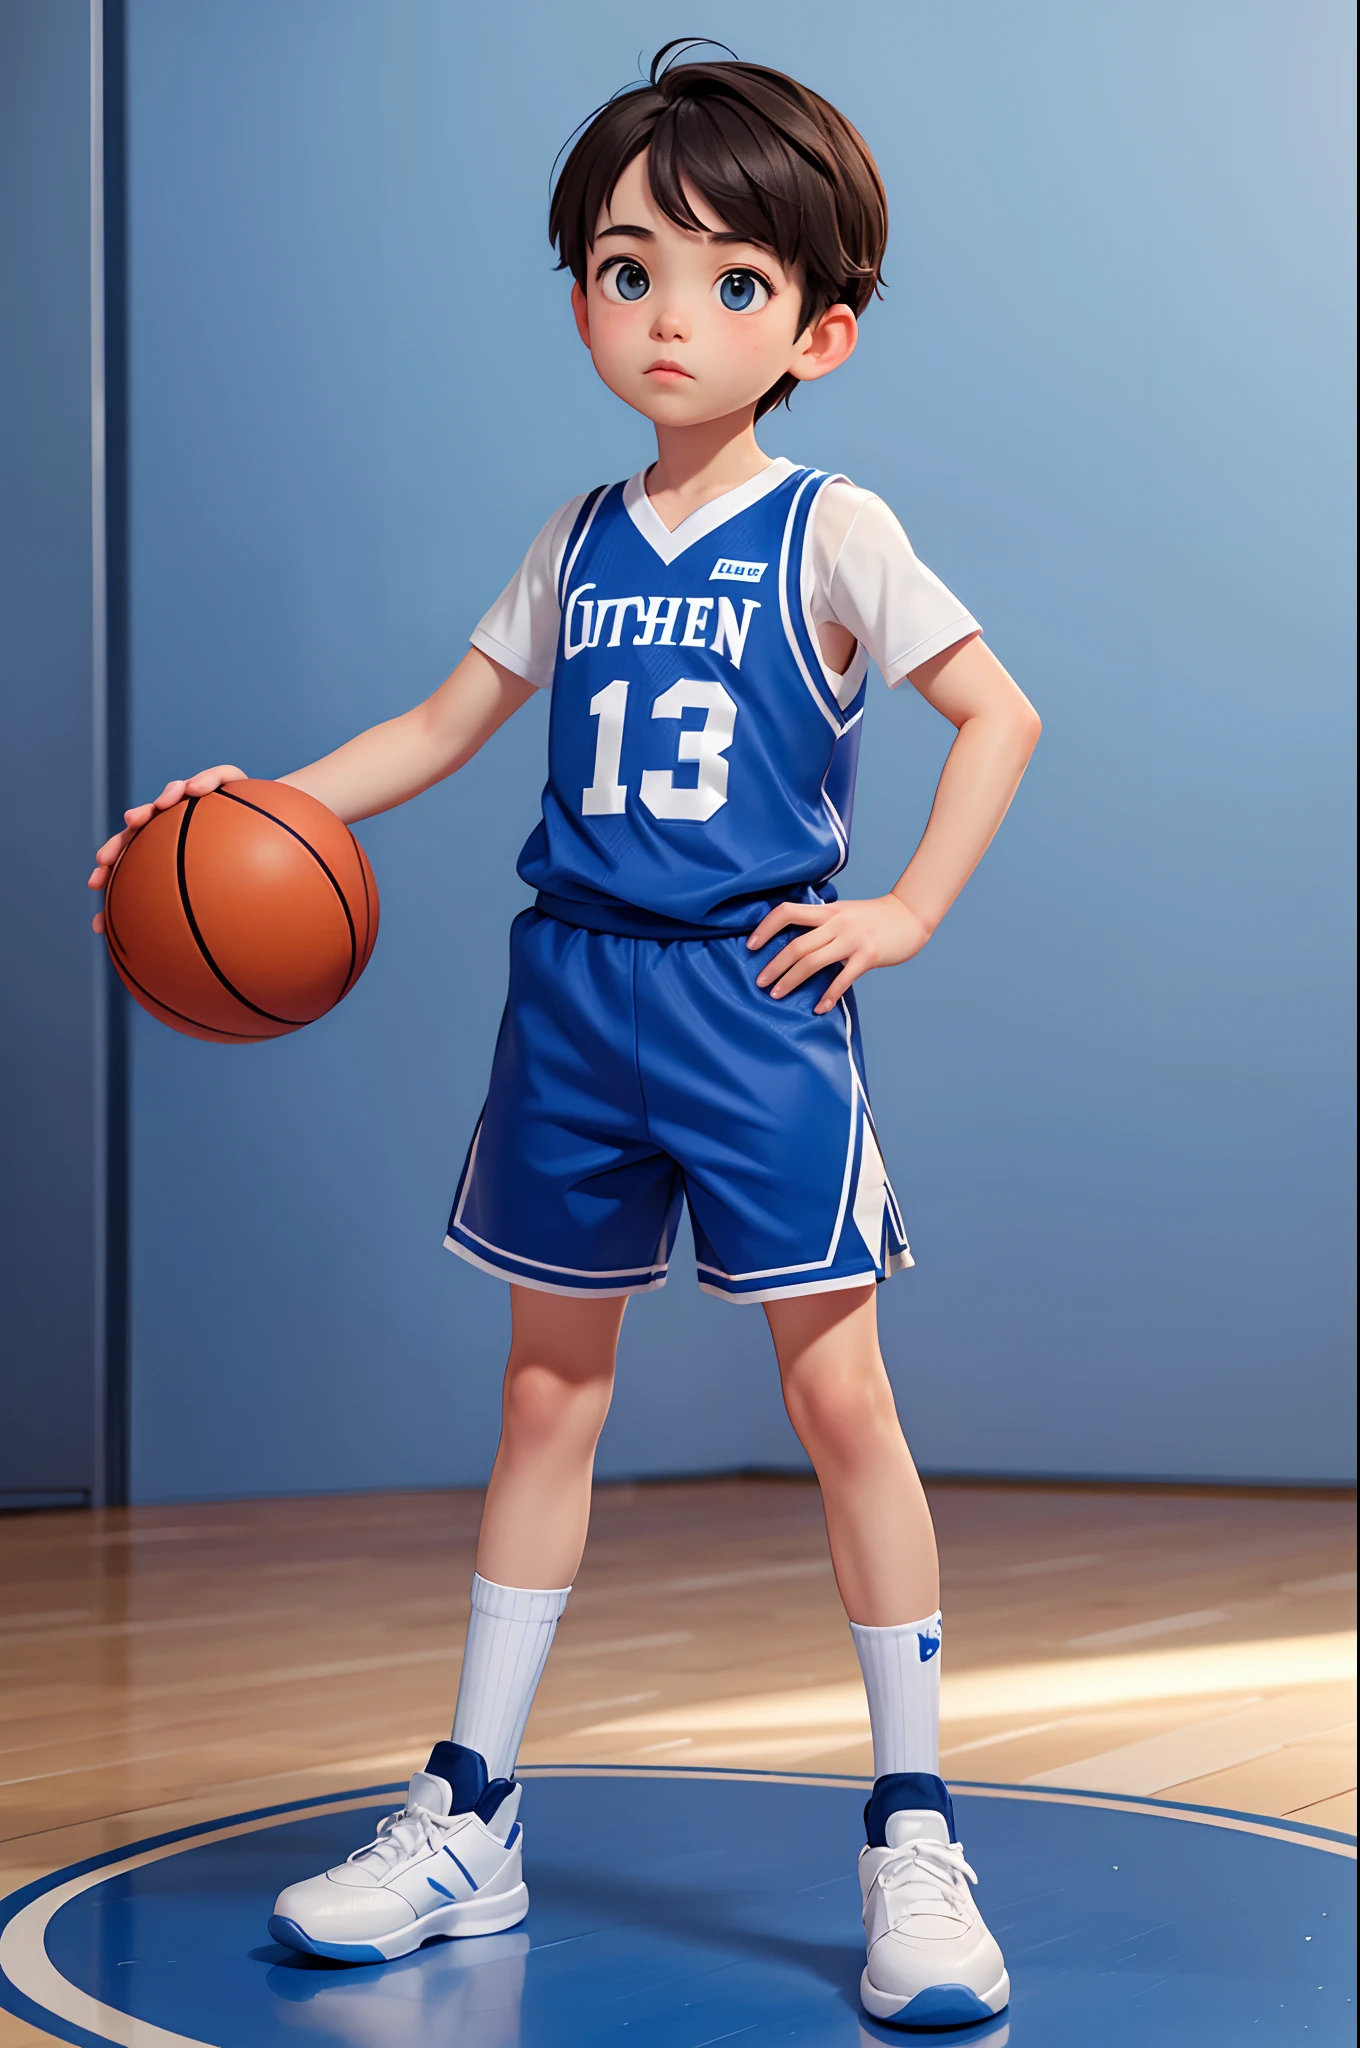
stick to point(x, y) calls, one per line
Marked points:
point(843, 1416)
point(543, 1404)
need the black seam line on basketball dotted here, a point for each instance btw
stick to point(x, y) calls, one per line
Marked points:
point(368, 927)
point(249, 1037)
point(368, 903)
point(199, 939)
point(108, 904)
point(340, 894)
point(108, 888)
point(353, 974)
point(120, 961)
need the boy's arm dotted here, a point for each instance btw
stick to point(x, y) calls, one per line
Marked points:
point(382, 767)
point(998, 729)
point(390, 763)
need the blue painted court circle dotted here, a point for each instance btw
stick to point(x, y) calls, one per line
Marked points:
point(678, 1909)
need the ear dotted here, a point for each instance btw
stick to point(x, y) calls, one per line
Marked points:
point(582, 316)
point(827, 344)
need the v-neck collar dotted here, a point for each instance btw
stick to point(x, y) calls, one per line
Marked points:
point(707, 519)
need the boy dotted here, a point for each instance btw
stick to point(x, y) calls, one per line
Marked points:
point(705, 629)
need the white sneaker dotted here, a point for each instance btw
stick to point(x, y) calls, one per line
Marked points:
point(428, 1872)
point(932, 1961)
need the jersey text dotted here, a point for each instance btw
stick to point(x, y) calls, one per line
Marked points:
point(659, 622)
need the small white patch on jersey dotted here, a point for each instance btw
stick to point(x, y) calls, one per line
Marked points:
point(725, 570)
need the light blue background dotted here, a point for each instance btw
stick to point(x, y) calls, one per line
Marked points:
point(1108, 395)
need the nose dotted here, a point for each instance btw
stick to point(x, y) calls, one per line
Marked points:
point(669, 323)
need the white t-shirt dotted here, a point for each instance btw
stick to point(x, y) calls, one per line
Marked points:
point(859, 570)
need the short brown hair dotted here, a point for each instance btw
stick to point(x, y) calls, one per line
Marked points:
point(777, 163)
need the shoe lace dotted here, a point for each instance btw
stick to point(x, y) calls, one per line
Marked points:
point(928, 1877)
point(401, 1836)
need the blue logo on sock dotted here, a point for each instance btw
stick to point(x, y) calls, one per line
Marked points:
point(929, 1647)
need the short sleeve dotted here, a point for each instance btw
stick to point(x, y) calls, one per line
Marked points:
point(520, 630)
point(875, 585)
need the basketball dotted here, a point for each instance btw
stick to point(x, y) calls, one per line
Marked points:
point(241, 915)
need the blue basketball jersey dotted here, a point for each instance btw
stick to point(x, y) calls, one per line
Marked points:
point(701, 763)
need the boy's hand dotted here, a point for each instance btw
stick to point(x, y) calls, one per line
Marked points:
point(201, 784)
point(873, 931)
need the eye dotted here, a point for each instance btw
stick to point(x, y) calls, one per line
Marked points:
point(741, 291)
point(626, 280)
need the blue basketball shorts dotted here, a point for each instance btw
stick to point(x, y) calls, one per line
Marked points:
point(632, 1076)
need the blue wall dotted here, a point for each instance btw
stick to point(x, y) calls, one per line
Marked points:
point(52, 977)
point(1107, 394)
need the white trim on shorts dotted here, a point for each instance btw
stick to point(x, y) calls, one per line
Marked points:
point(795, 1287)
point(451, 1244)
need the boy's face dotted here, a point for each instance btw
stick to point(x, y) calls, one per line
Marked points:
point(692, 327)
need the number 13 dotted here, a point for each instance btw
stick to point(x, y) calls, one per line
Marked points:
point(707, 745)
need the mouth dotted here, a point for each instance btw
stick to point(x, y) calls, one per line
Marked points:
point(665, 368)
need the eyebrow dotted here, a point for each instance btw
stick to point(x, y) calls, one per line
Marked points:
point(717, 235)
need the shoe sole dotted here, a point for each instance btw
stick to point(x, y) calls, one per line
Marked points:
point(939, 2005)
point(490, 1914)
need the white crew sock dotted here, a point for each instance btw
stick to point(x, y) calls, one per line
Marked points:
point(901, 1669)
point(510, 1633)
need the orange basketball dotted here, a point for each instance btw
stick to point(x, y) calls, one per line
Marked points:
point(241, 915)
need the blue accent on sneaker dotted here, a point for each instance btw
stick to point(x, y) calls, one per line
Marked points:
point(488, 1806)
point(290, 1935)
point(441, 1888)
point(929, 1647)
point(943, 2005)
point(513, 1836)
point(464, 1772)
point(905, 1792)
point(461, 1866)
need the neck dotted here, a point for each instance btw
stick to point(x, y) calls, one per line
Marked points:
point(697, 463)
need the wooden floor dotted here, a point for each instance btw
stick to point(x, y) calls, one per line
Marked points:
point(165, 1665)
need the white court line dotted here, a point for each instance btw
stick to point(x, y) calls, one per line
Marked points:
point(29, 1968)
point(1230, 1823)
point(25, 1962)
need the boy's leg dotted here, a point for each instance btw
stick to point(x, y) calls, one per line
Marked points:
point(841, 1405)
point(558, 1383)
point(931, 1961)
point(877, 1519)
point(450, 1862)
